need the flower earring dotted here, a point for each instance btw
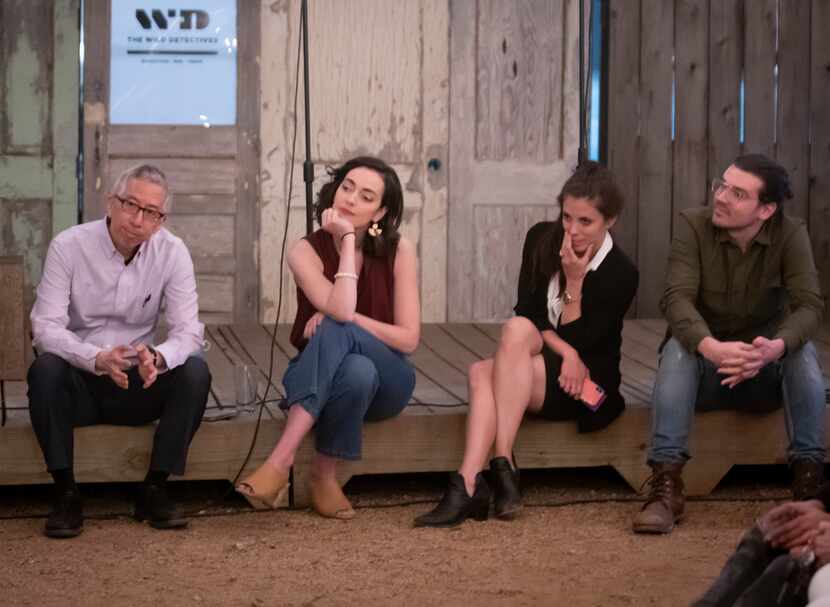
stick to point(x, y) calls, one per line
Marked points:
point(375, 230)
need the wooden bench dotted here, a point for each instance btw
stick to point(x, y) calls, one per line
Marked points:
point(428, 436)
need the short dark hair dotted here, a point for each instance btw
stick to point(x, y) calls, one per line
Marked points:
point(593, 181)
point(775, 178)
point(392, 200)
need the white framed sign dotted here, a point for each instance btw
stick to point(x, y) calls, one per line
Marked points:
point(173, 62)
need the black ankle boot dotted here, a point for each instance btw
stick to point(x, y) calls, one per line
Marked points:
point(505, 482)
point(456, 506)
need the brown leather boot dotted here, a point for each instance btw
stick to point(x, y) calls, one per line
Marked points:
point(665, 503)
point(808, 476)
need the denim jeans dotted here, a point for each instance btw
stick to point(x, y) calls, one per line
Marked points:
point(346, 375)
point(686, 381)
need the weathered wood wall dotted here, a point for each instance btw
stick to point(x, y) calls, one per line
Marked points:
point(379, 85)
point(38, 128)
point(699, 53)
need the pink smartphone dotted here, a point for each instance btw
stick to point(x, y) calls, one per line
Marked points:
point(592, 394)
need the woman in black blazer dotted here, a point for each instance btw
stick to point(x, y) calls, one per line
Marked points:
point(575, 286)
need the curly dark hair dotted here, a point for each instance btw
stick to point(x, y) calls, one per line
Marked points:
point(385, 244)
point(590, 180)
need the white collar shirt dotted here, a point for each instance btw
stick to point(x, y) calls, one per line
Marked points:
point(89, 299)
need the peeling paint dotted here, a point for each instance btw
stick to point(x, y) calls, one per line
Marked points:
point(27, 93)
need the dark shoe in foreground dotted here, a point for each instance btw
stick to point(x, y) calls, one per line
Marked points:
point(665, 503)
point(505, 483)
point(66, 518)
point(154, 506)
point(808, 476)
point(456, 506)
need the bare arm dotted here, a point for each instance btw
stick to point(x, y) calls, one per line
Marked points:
point(339, 299)
point(405, 333)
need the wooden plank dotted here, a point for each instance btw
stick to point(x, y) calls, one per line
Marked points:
point(204, 235)
point(214, 264)
point(655, 170)
point(519, 81)
point(819, 221)
point(215, 293)
point(793, 125)
point(498, 257)
point(446, 348)
point(221, 368)
point(623, 112)
point(185, 175)
point(96, 101)
point(690, 187)
point(759, 77)
point(471, 339)
point(257, 343)
point(172, 141)
point(491, 330)
point(725, 51)
point(433, 367)
point(12, 323)
point(435, 17)
point(192, 204)
point(463, 19)
point(246, 279)
point(65, 93)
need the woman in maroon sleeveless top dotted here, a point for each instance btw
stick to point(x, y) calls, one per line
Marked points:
point(358, 314)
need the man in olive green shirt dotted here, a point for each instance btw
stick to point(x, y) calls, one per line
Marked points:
point(742, 299)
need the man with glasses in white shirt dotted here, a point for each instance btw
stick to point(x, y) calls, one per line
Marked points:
point(102, 292)
point(742, 300)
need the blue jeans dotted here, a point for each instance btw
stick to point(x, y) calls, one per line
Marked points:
point(685, 380)
point(346, 375)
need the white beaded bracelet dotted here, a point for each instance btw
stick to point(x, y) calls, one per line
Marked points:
point(351, 275)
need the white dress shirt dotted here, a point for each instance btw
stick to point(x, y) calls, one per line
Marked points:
point(88, 300)
point(555, 303)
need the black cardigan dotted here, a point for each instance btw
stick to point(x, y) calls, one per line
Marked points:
point(596, 335)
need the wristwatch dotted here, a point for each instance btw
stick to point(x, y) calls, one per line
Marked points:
point(567, 298)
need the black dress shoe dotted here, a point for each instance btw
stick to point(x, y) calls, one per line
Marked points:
point(155, 507)
point(66, 518)
point(456, 506)
point(505, 483)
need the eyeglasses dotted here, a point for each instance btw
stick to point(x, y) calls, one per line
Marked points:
point(132, 208)
point(730, 192)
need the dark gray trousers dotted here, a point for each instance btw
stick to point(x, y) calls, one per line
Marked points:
point(63, 397)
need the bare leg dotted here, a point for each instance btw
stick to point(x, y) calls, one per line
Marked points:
point(481, 422)
point(518, 380)
point(298, 424)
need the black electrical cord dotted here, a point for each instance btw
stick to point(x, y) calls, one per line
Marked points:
point(261, 403)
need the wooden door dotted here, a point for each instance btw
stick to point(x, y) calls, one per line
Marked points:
point(379, 86)
point(213, 172)
point(38, 129)
point(513, 141)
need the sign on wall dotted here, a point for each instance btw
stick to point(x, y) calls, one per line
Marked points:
point(173, 62)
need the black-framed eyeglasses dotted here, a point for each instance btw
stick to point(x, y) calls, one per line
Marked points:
point(131, 207)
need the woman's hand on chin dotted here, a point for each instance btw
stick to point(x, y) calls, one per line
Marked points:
point(335, 224)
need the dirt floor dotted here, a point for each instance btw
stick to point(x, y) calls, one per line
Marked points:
point(558, 553)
